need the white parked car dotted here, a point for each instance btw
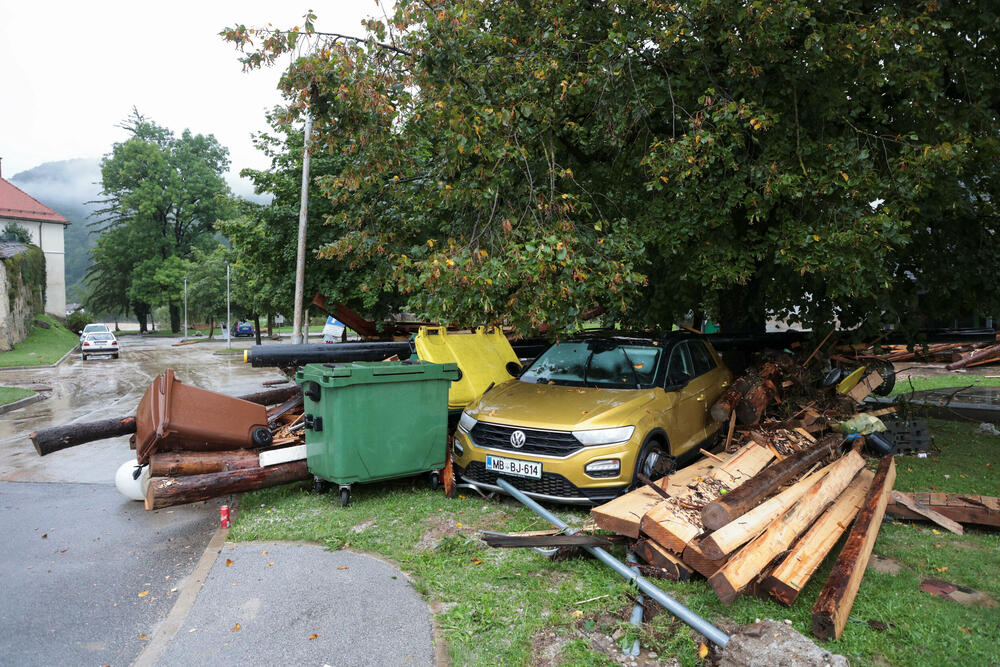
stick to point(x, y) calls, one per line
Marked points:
point(99, 343)
point(93, 328)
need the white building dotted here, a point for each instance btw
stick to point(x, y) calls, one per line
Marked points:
point(46, 228)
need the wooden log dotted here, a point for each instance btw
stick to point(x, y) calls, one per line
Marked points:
point(657, 556)
point(53, 439)
point(787, 580)
point(749, 561)
point(674, 523)
point(168, 491)
point(751, 493)
point(982, 510)
point(723, 408)
point(924, 511)
point(760, 394)
point(50, 440)
point(984, 353)
point(829, 614)
point(623, 514)
point(695, 557)
point(741, 530)
point(182, 464)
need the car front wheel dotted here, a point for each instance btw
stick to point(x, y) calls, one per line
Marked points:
point(654, 461)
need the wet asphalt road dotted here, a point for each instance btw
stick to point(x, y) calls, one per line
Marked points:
point(101, 388)
point(76, 555)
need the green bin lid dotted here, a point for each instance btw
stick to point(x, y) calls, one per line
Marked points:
point(377, 371)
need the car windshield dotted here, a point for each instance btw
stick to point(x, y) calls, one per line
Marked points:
point(100, 336)
point(596, 363)
point(95, 327)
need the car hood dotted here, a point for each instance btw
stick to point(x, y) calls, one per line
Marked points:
point(561, 408)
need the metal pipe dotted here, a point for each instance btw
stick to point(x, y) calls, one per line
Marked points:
point(299, 355)
point(636, 618)
point(712, 633)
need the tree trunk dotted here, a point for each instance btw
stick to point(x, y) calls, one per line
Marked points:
point(182, 464)
point(256, 327)
point(51, 440)
point(211, 327)
point(175, 318)
point(169, 491)
point(140, 310)
point(270, 327)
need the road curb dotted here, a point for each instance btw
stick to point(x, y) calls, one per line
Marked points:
point(23, 402)
point(185, 601)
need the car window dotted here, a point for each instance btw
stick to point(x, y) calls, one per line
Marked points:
point(100, 336)
point(94, 327)
point(680, 369)
point(595, 364)
point(702, 358)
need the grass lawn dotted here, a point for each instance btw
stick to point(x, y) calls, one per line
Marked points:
point(11, 394)
point(511, 606)
point(42, 347)
point(907, 385)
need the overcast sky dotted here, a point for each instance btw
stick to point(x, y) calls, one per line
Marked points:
point(71, 71)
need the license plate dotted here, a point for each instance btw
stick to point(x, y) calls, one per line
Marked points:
point(514, 467)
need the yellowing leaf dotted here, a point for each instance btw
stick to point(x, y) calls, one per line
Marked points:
point(935, 531)
point(815, 237)
point(313, 636)
point(344, 567)
point(143, 594)
point(843, 176)
point(577, 613)
point(702, 651)
point(236, 628)
point(942, 569)
point(270, 564)
point(476, 561)
point(228, 562)
point(143, 637)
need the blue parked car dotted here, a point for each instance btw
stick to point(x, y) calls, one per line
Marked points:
point(243, 329)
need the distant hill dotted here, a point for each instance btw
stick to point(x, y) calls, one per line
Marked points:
point(66, 187)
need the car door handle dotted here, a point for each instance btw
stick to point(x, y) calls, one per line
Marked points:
point(700, 397)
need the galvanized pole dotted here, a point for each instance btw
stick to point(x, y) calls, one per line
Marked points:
point(185, 308)
point(712, 633)
point(229, 317)
point(300, 257)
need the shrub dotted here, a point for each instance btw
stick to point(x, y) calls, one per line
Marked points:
point(78, 320)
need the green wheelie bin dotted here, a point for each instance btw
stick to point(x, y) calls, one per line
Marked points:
point(368, 421)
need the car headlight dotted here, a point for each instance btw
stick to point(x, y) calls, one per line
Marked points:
point(466, 422)
point(605, 436)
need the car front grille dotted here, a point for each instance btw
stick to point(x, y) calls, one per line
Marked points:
point(546, 443)
point(550, 484)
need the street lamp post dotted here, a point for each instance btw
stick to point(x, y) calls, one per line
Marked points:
point(185, 307)
point(229, 321)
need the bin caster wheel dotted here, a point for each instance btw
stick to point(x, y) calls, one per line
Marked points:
point(320, 485)
point(345, 496)
point(262, 437)
point(435, 480)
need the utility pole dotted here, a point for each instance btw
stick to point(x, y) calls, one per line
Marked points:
point(185, 308)
point(229, 321)
point(300, 257)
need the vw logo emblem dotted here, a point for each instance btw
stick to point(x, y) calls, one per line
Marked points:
point(517, 439)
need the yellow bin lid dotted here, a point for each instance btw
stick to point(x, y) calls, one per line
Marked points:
point(482, 357)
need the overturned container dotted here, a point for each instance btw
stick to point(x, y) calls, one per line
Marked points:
point(174, 416)
point(369, 421)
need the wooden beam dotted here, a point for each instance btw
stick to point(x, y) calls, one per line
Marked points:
point(963, 508)
point(749, 561)
point(751, 493)
point(623, 514)
point(829, 614)
point(741, 530)
point(675, 522)
point(657, 556)
point(927, 512)
point(702, 564)
point(787, 579)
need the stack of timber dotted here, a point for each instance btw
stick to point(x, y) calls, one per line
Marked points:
point(761, 523)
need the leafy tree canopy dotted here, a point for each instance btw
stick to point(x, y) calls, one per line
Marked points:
point(523, 162)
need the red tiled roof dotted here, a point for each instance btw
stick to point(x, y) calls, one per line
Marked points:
point(16, 203)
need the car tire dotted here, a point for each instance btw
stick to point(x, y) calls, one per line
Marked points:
point(114, 355)
point(84, 357)
point(654, 461)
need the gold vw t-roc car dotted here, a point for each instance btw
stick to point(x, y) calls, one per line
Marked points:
point(589, 413)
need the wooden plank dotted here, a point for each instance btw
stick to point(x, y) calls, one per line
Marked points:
point(276, 456)
point(623, 514)
point(787, 579)
point(657, 556)
point(675, 522)
point(832, 608)
point(696, 558)
point(749, 561)
point(982, 510)
point(865, 387)
point(719, 544)
point(927, 512)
